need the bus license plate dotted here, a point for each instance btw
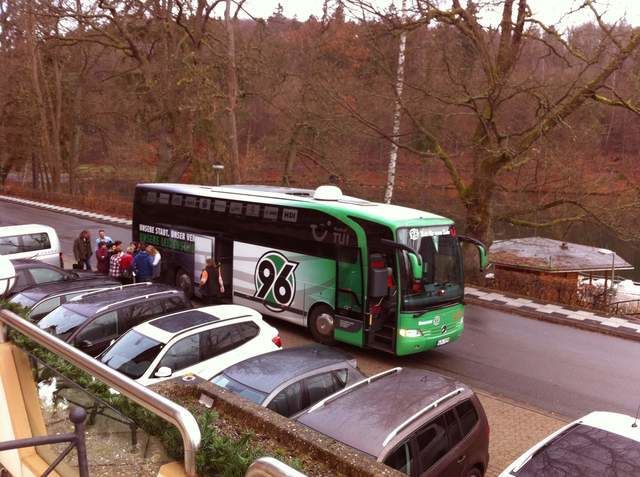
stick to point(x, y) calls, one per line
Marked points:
point(443, 341)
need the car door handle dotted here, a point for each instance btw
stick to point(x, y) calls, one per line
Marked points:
point(461, 459)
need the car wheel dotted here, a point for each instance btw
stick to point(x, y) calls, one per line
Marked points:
point(183, 281)
point(321, 324)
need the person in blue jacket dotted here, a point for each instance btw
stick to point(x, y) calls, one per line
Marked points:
point(143, 266)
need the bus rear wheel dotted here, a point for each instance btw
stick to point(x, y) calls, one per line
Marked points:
point(183, 281)
point(321, 324)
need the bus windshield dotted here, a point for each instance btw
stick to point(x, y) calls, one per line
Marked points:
point(442, 280)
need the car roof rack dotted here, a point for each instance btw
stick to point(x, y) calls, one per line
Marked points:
point(108, 288)
point(348, 389)
point(427, 408)
point(149, 295)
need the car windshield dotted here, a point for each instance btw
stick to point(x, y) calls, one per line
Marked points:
point(236, 387)
point(22, 299)
point(62, 322)
point(585, 451)
point(441, 267)
point(132, 354)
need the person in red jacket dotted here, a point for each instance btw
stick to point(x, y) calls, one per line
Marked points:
point(102, 257)
point(126, 265)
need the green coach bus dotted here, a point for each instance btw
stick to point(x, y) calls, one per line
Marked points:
point(372, 275)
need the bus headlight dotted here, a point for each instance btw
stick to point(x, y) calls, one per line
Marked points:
point(409, 333)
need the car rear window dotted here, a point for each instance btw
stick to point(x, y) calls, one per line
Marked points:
point(467, 415)
point(24, 243)
point(585, 451)
point(33, 242)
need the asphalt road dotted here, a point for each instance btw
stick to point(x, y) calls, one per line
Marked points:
point(555, 368)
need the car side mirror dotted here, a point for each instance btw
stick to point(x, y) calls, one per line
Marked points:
point(163, 372)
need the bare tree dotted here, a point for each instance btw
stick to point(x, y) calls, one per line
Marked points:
point(490, 77)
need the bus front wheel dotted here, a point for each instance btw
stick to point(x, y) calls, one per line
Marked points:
point(183, 281)
point(321, 324)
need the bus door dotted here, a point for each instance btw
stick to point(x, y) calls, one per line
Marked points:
point(349, 319)
point(382, 294)
point(204, 249)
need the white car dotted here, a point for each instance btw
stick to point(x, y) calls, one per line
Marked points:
point(597, 445)
point(39, 242)
point(201, 341)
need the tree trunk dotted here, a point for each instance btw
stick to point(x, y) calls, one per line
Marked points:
point(479, 207)
point(393, 154)
point(232, 82)
point(34, 64)
point(292, 152)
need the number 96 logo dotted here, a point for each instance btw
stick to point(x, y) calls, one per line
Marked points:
point(275, 281)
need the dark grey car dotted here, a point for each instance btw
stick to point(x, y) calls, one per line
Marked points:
point(416, 421)
point(31, 273)
point(42, 299)
point(291, 380)
point(90, 322)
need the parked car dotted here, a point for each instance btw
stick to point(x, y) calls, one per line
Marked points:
point(39, 242)
point(599, 444)
point(202, 342)
point(291, 380)
point(42, 299)
point(30, 273)
point(91, 321)
point(416, 421)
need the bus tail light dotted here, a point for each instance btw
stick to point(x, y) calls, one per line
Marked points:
point(277, 341)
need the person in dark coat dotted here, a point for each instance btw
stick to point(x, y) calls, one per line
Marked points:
point(82, 250)
point(143, 266)
point(211, 284)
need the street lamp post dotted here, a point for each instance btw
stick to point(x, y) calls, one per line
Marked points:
point(605, 251)
point(218, 168)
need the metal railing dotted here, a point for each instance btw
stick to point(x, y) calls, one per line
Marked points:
point(77, 415)
point(159, 405)
point(270, 467)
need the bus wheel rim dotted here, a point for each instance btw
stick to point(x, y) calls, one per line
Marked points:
point(324, 323)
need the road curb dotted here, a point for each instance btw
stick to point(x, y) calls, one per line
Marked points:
point(68, 210)
point(629, 335)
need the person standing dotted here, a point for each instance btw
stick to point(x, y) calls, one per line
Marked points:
point(103, 237)
point(155, 255)
point(143, 266)
point(102, 258)
point(211, 284)
point(126, 266)
point(82, 250)
point(114, 262)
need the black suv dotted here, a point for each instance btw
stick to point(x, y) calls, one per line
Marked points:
point(30, 273)
point(91, 321)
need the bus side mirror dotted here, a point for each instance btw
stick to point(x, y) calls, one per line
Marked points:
point(416, 267)
point(482, 250)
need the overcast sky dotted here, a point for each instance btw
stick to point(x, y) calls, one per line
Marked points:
point(549, 11)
